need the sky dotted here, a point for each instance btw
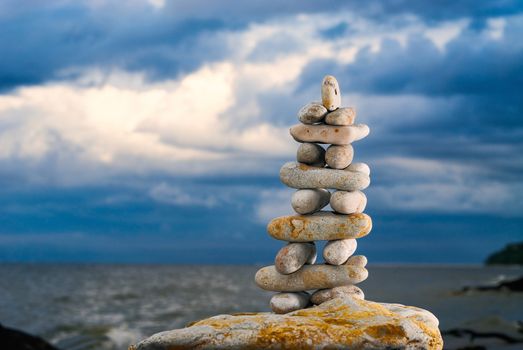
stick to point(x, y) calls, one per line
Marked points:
point(153, 131)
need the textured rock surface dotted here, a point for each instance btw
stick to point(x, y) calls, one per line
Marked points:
point(337, 252)
point(342, 323)
point(323, 295)
point(310, 277)
point(310, 200)
point(321, 226)
point(330, 93)
point(312, 113)
point(293, 256)
point(359, 167)
point(341, 116)
point(311, 153)
point(339, 157)
point(345, 202)
point(358, 260)
point(297, 175)
point(283, 303)
point(336, 135)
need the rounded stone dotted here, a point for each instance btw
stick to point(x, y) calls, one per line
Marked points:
point(308, 201)
point(283, 303)
point(329, 134)
point(312, 113)
point(298, 175)
point(357, 260)
point(310, 277)
point(330, 93)
point(341, 116)
point(323, 295)
point(339, 157)
point(293, 256)
point(359, 167)
point(311, 154)
point(320, 226)
point(348, 202)
point(337, 252)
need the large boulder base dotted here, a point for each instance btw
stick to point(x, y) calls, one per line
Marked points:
point(342, 323)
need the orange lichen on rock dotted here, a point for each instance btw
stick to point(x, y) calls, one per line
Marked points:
point(337, 324)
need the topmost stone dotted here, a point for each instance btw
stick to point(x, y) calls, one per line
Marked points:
point(330, 93)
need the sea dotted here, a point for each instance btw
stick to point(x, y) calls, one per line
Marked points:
point(109, 307)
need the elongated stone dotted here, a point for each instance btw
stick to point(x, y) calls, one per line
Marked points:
point(309, 277)
point(341, 116)
point(339, 157)
point(312, 113)
point(292, 257)
point(337, 252)
point(330, 93)
point(323, 295)
point(319, 226)
point(283, 303)
point(308, 201)
point(311, 154)
point(345, 202)
point(335, 135)
point(297, 175)
point(358, 260)
point(360, 167)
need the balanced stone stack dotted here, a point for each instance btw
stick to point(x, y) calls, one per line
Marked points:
point(342, 318)
point(316, 171)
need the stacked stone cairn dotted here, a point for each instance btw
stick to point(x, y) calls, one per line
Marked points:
point(317, 170)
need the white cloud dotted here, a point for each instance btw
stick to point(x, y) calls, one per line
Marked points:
point(176, 196)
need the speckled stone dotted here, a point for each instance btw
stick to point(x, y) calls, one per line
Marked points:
point(312, 113)
point(345, 202)
point(293, 256)
point(283, 303)
point(309, 277)
point(337, 252)
point(341, 116)
point(330, 93)
point(360, 167)
point(310, 200)
point(341, 323)
point(339, 157)
point(321, 226)
point(311, 154)
point(323, 295)
point(358, 260)
point(297, 175)
point(335, 135)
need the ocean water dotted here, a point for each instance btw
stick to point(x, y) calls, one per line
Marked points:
point(108, 307)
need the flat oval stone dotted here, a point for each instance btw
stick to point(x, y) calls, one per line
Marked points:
point(348, 202)
point(293, 256)
point(341, 116)
point(312, 113)
point(323, 295)
point(308, 201)
point(309, 277)
point(330, 93)
point(358, 260)
point(337, 252)
point(321, 226)
point(339, 157)
point(361, 167)
point(297, 175)
point(283, 303)
point(335, 135)
point(311, 154)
